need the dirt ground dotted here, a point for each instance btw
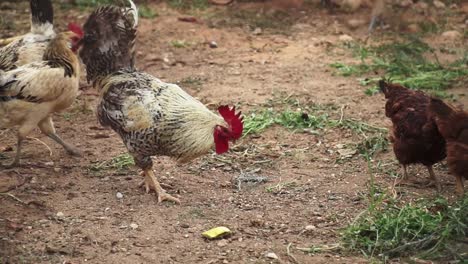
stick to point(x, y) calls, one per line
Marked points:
point(71, 212)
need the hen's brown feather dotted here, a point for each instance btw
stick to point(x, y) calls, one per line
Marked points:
point(414, 133)
point(453, 125)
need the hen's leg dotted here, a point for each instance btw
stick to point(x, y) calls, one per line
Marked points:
point(460, 188)
point(23, 131)
point(47, 127)
point(403, 178)
point(17, 155)
point(434, 178)
point(151, 182)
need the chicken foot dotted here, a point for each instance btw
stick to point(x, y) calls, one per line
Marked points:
point(47, 127)
point(150, 182)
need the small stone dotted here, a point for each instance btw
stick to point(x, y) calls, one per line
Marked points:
point(133, 226)
point(351, 5)
point(119, 195)
point(213, 44)
point(345, 38)
point(451, 35)
point(50, 163)
point(257, 31)
point(222, 243)
point(60, 215)
point(310, 227)
point(439, 4)
point(355, 23)
point(271, 255)
point(414, 28)
point(422, 5)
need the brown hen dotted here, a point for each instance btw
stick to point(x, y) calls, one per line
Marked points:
point(414, 133)
point(453, 125)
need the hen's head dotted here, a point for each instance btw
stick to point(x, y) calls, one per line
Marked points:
point(76, 37)
point(222, 135)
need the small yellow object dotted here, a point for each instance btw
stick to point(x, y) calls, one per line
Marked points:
point(216, 232)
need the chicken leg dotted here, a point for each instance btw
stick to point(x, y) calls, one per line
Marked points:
point(47, 127)
point(434, 178)
point(460, 189)
point(23, 131)
point(151, 182)
point(403, 179)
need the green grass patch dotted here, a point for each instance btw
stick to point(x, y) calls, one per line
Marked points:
point(314, 119)
point(427, 229)
point(120, 162)
point(180, 43)
point(146, 12)
point(412, 63)
point(189, 4)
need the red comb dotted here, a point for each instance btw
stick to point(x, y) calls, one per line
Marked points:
point(75, 28)
point(234, 120)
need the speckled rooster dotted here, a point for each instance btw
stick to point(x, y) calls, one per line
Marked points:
point(152, 117)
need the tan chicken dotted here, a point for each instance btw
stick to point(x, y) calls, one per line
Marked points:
point(31, 93)
point(152, 117)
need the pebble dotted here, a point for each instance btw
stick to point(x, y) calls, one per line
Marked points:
point(50, 163)
point(439, 4)
point(413, 28)
point(60, 215)
point(133, 226)
point(451, 35)
point(355, 23)
point(257, 31)
point(213, 44)
point(310, 227)
point(271, 255)
point(345, 38)
point(119, 195)
point(351, 5)
point(222, 243)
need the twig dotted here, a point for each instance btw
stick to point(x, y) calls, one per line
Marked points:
point(43, 143)
point(290, 254)
point(14, 197)
point(342, 114)
point(418, 244)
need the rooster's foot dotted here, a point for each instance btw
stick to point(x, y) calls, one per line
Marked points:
point(150, 182)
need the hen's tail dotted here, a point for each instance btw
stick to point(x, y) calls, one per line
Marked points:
point(109, 43)
point(42, 16)
point(440, 109)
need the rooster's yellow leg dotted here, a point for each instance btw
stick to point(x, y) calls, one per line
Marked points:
point(151, 182)
point(434, 178)
point(47, 127)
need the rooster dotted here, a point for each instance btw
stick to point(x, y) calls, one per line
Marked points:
point(30, 93)
point(414, 134)
point(31, 46)
point(152, 117)
point(453, 125)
